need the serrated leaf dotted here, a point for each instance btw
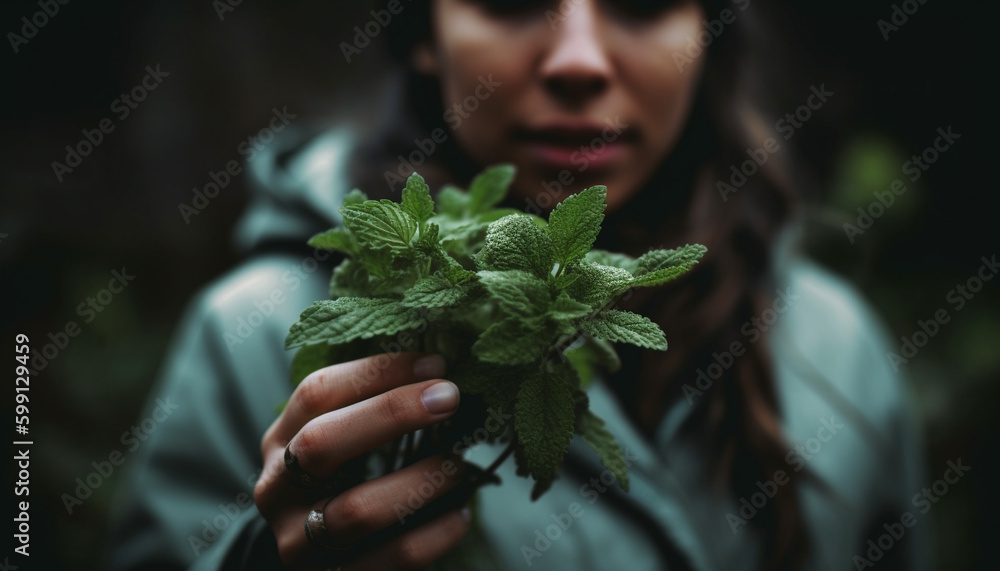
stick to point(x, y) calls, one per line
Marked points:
point(653, 260)
point(453, 271)
point(566, 308)
point(417, 201)
point(335, 240)
point(512, 341)
point(516, 292)
point(356, 196)
point(544, 422)
point(575, 222)
point(433, 291)
point(490, 187)
point(625, 327)
point(380, 225)
point(429, 236)
point(563, 281)
point(614, 259)
point(598, 284)
point(515, 243)
point(660, 277)
point(592, 431)
point(348, 318)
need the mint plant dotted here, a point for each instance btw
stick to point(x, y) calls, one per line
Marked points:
point(521, 308)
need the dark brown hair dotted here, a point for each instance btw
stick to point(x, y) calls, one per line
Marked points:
point(703, 313)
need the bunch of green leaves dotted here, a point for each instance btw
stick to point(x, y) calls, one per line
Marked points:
point(521, 307)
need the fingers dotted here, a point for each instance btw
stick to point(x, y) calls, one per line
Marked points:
point(337, 386)
point(370, 508)
point(325, 442)
point(380, 503)
point(418, 548)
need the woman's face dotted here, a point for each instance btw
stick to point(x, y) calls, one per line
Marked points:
point(575, 93)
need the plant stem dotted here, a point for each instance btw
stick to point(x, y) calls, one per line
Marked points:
point(503, 456)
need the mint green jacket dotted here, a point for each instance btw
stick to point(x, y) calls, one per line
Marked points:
point(188, 503)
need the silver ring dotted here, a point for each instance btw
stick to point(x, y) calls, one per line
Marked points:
point(317, 535)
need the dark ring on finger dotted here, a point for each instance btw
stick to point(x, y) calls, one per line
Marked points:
point(296, 476)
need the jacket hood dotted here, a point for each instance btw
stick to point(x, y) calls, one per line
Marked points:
point(296, 185)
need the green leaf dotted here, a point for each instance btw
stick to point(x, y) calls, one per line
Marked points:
point(452, 201)
point(350, 279)
point(417, 201)
point(575, 223)
point(335, 240)
point(686, 256)
point(544, 422)
point(348, 318)
point(512, 341)
point(490, 187)
point(598, 284)
point(515, 243)
point(566, 308)
point(591, 354)
point(625, 327)
point(592, 430)
point(660, 277)
point(380, 225)
point(516, 292)
point(429, 236)
point(613, 259)
point(498, 213)
point(433, 291)
point(354, 197)
point(658, 267)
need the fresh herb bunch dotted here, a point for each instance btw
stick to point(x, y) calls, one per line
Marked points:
point(521, 308)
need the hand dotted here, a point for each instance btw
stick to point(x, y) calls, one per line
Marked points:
point(342, 412)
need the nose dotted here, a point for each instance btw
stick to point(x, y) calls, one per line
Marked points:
point(576, 66)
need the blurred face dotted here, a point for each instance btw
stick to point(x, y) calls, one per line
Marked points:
point(575, 93)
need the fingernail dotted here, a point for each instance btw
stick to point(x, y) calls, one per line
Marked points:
point(466, 514)
point(440, 397)
point(429, 367)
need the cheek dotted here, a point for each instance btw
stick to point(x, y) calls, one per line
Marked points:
point(480, 85)
point(664, 80)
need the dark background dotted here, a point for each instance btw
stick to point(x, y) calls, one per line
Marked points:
point(59, 241)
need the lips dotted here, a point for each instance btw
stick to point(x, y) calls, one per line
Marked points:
point(575, 145)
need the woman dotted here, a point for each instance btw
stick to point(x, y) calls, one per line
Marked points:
point(772, 435)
